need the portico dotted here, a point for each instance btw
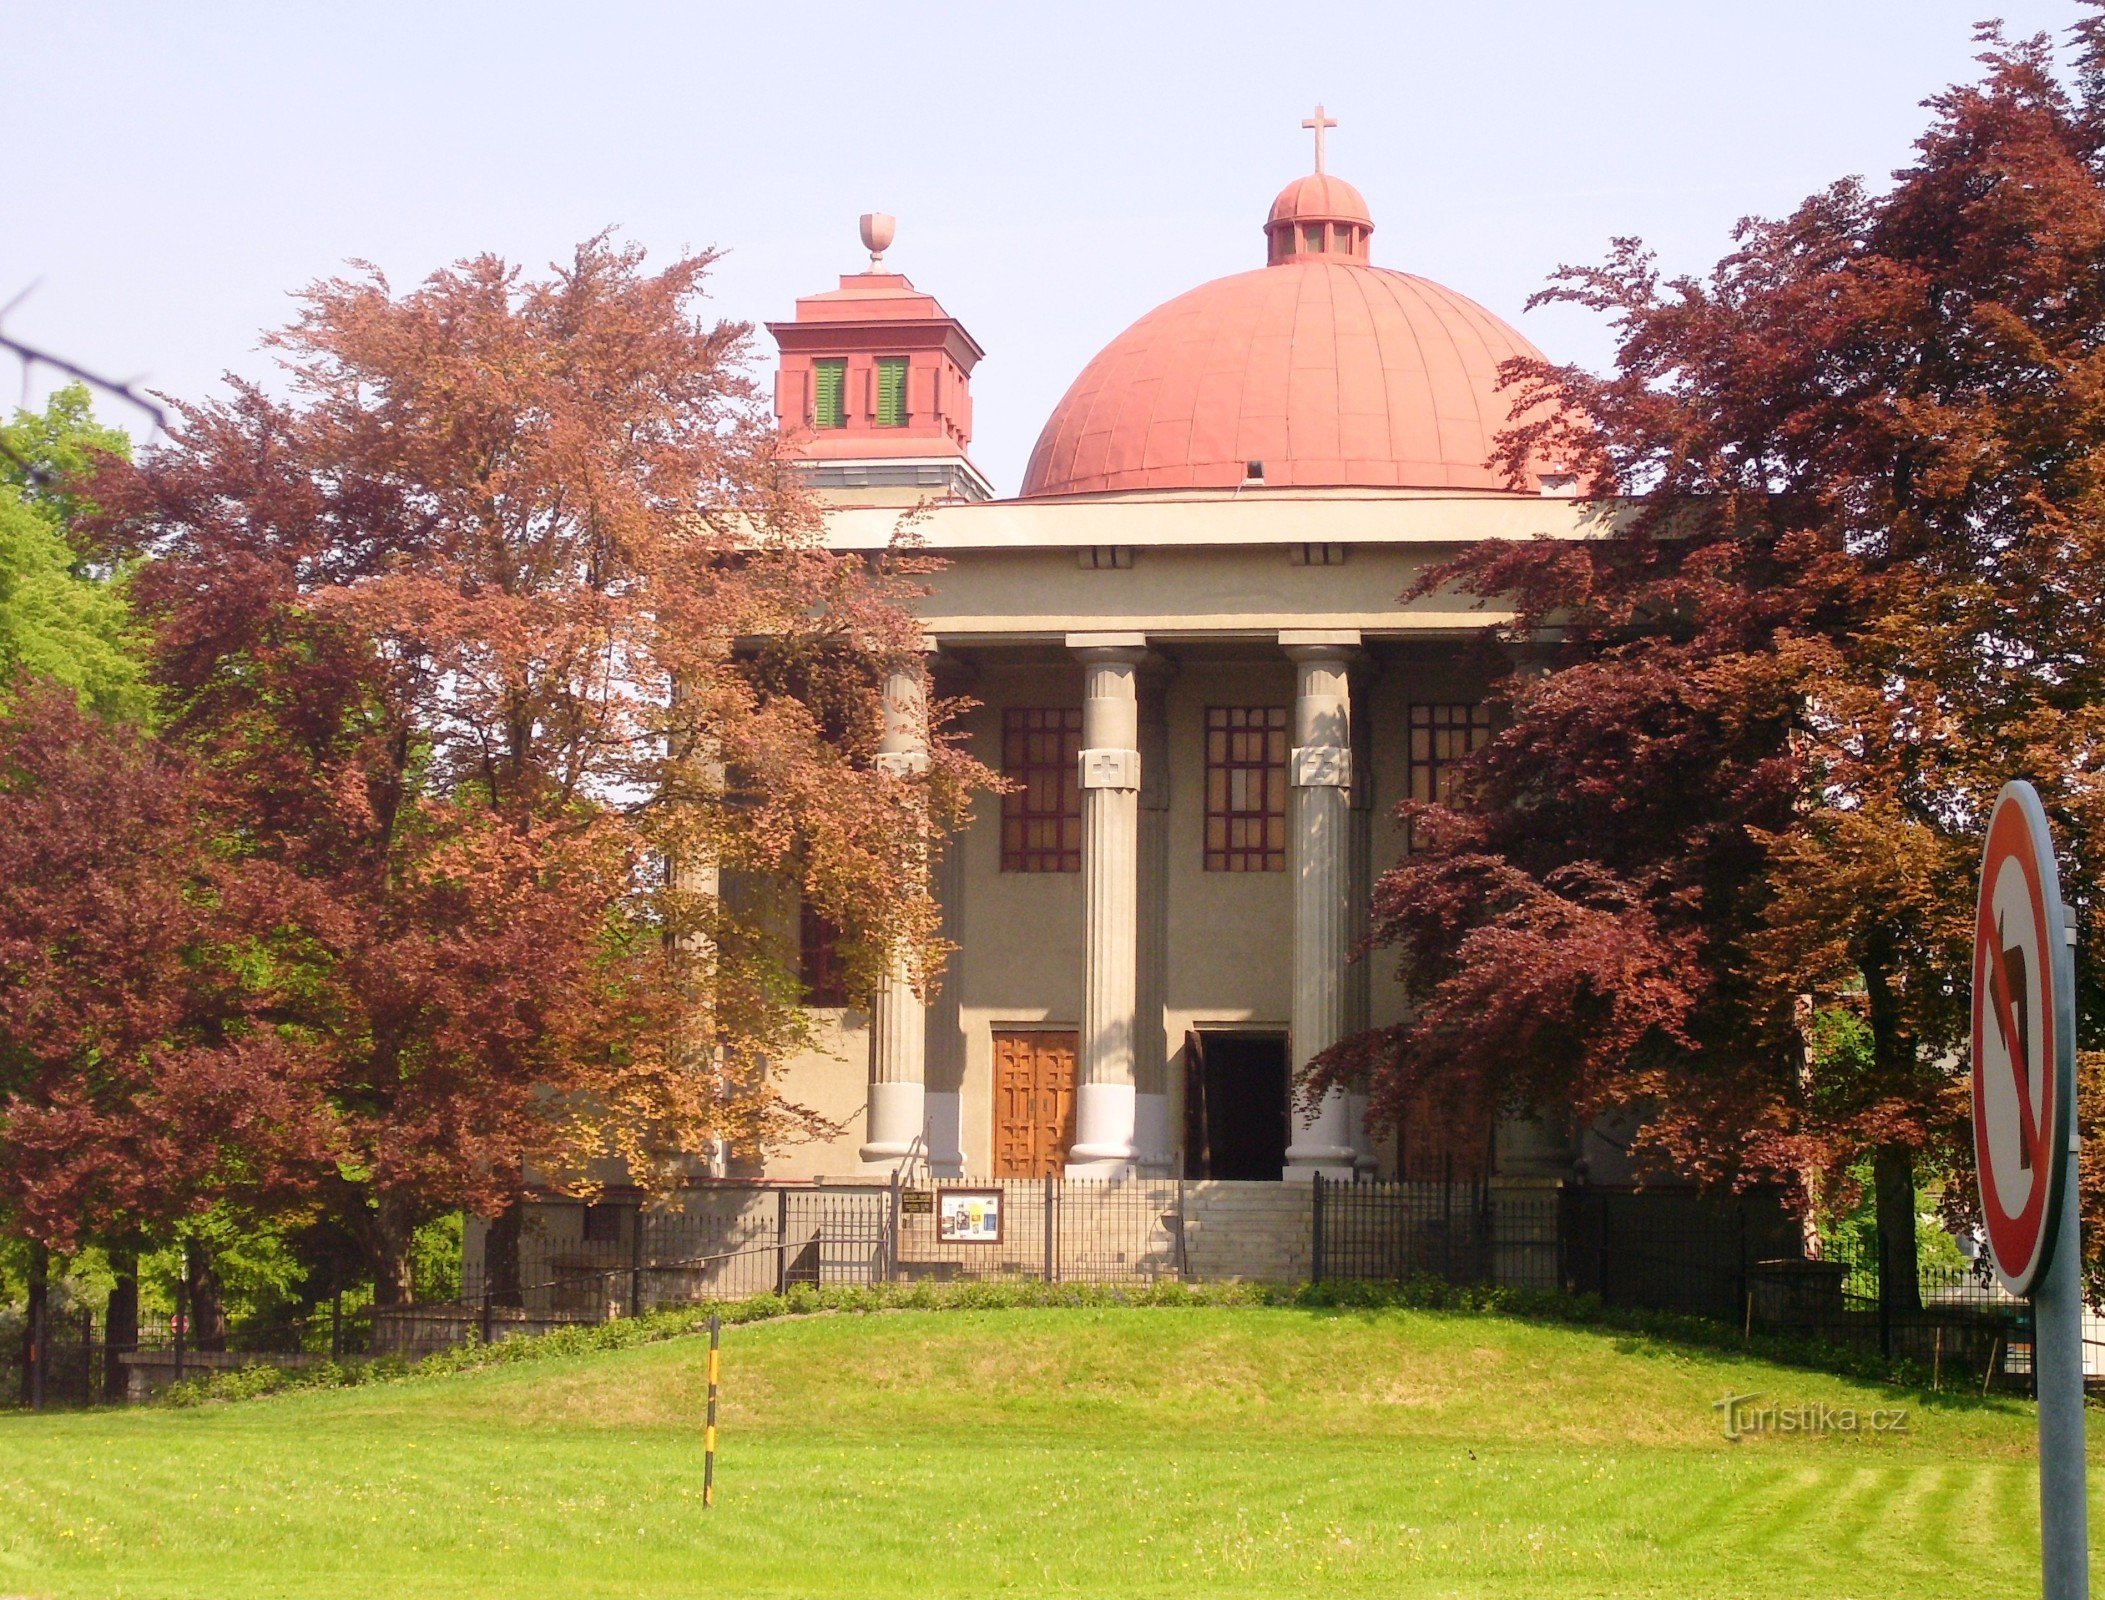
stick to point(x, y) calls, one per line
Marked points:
point(1189, 656)
point(1202, 801)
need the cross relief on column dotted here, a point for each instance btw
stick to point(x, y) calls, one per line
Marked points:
point(1321, 766)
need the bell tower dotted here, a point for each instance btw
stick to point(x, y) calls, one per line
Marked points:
point(875, 388)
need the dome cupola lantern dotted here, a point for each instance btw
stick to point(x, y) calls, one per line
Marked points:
point(1318, 216)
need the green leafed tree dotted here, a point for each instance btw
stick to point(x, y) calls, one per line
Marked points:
point(63, 616)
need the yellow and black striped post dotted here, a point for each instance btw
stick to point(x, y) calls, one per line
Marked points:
point(709, 1430)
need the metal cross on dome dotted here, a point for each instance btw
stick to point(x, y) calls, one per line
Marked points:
point(1319, 122)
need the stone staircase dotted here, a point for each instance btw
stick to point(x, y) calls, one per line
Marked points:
point(1259, 1232)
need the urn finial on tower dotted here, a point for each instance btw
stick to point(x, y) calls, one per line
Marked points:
point(878, 230)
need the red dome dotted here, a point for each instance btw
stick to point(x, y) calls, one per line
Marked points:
point(1329, 372)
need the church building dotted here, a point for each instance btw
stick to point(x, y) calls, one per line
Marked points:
point(1189, 656)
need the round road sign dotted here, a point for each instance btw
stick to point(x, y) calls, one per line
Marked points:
point(2024, 1038)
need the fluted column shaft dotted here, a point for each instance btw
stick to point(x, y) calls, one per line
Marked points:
point(896, 1109)
point(1110, 780)
point(945, 1065)
point(1320, 860)
point(1359, 974)
point(694, 874)
point(1151, 1118)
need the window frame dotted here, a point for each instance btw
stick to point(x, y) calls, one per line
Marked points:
point(820, 969)
point(1226, 840)
point(1429, 776)
point(1036, 836)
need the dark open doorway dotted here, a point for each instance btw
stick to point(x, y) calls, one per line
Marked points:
point(1235, 1104)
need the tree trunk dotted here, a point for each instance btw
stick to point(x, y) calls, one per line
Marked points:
point(36, 1335)
point(1893, 1192)
point(393, 1241)
point(120, 1322)
point(500, 1254)
point(1892, 1165)
point(208, 1311)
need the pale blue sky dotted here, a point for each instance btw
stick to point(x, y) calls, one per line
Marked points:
point(173, 170)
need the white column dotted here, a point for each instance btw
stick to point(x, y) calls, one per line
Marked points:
point(1360, 889)
point(897, 1113)
point(1110, 777)
point(1319, 860)
point(695, 877)
point(1151, 1121)
point(946, 1035)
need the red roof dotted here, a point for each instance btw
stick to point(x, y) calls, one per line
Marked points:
point(1324, 368)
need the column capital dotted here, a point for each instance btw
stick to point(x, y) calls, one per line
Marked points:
point(1127, 647)
point(917, 655)
point(1318, 643)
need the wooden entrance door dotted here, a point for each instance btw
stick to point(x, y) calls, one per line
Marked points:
point(1033, 1102)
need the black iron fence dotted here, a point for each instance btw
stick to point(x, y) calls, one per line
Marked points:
point(1739, 1260)
point(69, 1358)
point(1672, 1249)
point(572, 1262)
point(1391, 1231)
point(1744, 1260)
point(56, 1361)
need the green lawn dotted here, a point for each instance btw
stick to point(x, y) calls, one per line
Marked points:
point(1241, 1451)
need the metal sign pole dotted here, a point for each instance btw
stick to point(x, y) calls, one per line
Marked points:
point(2026, 1144)
point(2057, 1355)
point(2057, 1317)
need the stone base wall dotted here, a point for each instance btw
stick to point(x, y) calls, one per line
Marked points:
point(722, 1240)
point(148, 1372)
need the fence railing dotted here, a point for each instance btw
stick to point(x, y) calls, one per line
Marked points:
point(1736, 1260)
point(728, 1242)
point(70, 1358)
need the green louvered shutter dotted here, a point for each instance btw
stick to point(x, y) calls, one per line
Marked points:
point(829, 394)
point(891, 392)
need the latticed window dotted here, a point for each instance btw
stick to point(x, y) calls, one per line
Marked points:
point(1246, 788)
point(1441, 736)
point(891, 392)
point(1041, 815)
point(819, 958)
point(603, 1223)
point(829, 394)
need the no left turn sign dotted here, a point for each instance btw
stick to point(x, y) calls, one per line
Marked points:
point(2024, 1055)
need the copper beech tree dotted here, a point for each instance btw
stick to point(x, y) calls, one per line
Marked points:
point(140, 1077)
point(508, 641)
point(1854, 581)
